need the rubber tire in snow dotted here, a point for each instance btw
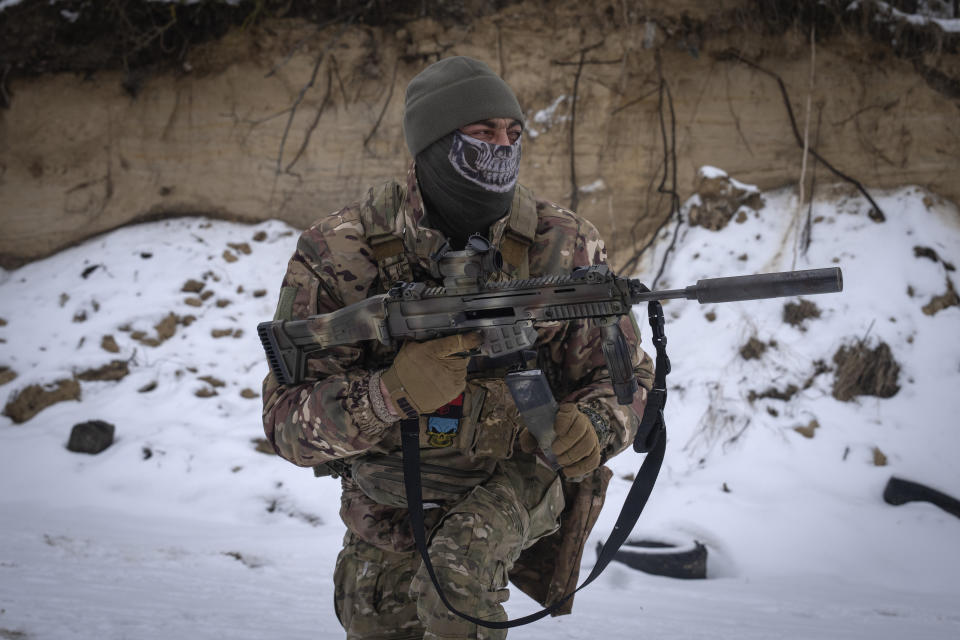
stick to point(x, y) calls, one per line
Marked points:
point(664, 558)
point(900, 491)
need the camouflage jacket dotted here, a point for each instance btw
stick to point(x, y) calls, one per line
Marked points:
point(330, 417)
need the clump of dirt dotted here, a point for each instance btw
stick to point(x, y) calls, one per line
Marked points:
point(931, 254)
point(720, 200)
point(879, 457)
point(753, 350)
point(165, 329)
point(212, 381)
point(862, 371)
point(943, 301)
point(774, 393)
point(114, 370)
point(7, 375)
point(192, 286)
point(109, 343)
point(808, 430)
point(263, 446)
point(35, 398)
point(795, 313)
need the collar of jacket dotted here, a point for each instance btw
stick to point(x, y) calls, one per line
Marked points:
point(423, 241)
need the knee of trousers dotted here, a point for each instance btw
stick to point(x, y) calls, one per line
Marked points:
point(372, 592)
point(472, 551)
point(466, 596)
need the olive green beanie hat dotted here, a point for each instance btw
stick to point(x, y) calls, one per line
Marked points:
point(450, 94)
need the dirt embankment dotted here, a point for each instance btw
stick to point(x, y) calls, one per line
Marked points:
point(252, 113)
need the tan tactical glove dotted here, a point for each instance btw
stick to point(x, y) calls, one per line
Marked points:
point(576, 446)
point(427, 375)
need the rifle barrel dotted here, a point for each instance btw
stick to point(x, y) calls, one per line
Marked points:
point(755, 287)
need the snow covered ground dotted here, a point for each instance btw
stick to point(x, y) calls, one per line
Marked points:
point(183, 529)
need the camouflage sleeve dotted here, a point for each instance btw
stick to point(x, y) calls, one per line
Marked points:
point(581, 359)
point(330, 416)
point(580, 370)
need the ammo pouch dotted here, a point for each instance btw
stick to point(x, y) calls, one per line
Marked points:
point(486, 433)
point(380, 477)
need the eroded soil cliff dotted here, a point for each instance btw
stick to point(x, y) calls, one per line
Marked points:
point(273, 110)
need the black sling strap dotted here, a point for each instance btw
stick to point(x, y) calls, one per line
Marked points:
point(652, 439)
point(652, 423)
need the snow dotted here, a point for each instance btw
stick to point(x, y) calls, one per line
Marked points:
point(547, 117)
point(593, 187)
point(924, 15)
point(711, 173)
point(707, 171)
point(182, 529)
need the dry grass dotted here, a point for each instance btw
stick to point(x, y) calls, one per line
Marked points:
point(862, 371)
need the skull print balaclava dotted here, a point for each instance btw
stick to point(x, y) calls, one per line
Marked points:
point(466, 183)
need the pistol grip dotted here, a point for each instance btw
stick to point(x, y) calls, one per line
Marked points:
point(619, 364)
point(501, 340)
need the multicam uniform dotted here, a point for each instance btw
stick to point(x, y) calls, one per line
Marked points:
point(488, 501)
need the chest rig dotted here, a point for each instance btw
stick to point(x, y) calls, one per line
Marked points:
point(400, 259)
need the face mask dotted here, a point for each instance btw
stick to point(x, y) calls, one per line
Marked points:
point(493, 167)
point(467, 184)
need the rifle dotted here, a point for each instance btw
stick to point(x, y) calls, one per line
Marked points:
point(506, 313)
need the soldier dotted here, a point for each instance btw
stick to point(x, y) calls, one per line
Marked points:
point(493, 507)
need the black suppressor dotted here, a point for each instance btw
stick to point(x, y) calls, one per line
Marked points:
point(766, 285)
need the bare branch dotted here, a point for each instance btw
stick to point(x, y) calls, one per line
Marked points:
point(313, 125)
point(303, 92)
point(386, 103)
point(736, 56)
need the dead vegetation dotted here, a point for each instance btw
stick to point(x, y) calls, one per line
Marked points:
point(808, 430)
point(7, 375)
point(142, 38)
point(947, 299)
point(796, 313)
point(720, 200)
point(879, 457)
point(753, 349)
point(865, 371)
point(942, 301)
point(165, 329)
point(110, 372)
point(774, 393)
point(35, 398)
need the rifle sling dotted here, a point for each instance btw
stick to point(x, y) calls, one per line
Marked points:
point(654, 443)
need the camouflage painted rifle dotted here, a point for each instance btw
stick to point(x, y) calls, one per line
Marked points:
point(506, 313)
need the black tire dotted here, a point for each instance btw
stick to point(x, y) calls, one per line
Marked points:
point(664, 558)
point(899, 491)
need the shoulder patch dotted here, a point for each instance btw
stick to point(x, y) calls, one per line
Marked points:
point(378, 212)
